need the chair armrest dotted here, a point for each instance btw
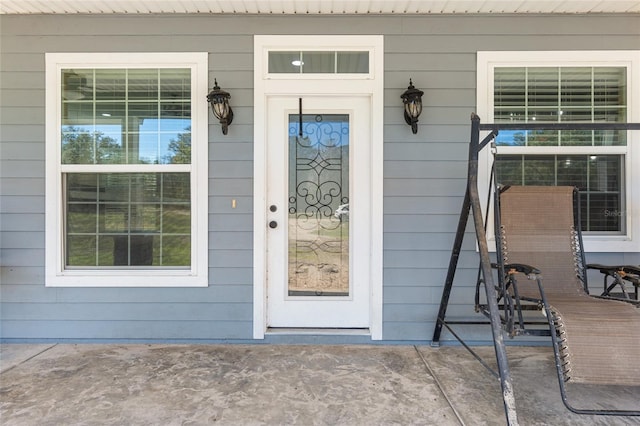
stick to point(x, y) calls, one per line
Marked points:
point(629, 269)
point(605, 269)
point(518, 267)
point(628, 272)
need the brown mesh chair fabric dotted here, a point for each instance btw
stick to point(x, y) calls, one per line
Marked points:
point(599, 339)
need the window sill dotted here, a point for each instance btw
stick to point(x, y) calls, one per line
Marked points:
point(164, 278)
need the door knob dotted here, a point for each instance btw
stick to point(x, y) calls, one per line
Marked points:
point(273, 224)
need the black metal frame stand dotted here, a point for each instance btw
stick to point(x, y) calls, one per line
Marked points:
point(471, 204)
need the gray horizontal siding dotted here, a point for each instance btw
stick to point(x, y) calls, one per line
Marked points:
point(424, 174)
point(168, 311)
point(157, 329)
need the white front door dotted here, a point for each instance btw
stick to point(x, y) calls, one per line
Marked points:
point(318, 209)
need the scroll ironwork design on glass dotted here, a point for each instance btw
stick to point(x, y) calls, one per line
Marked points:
point(319, 205)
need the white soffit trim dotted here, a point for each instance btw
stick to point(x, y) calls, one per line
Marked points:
point(304, 7)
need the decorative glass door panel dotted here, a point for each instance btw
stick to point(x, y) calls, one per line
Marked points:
point(319, 224)
point(318, 205)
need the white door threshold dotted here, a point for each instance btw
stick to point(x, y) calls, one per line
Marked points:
point(319, 331)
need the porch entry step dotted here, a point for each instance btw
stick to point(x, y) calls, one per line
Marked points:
point(318, 331)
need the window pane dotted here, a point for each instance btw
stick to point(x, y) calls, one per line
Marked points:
point(128, 219)
point(542, 87)
point(110, 84)
point(81, 250)
point(143, 84)
point(107, 250)
point(318, 62)
point(175, 136)
point(110, 123)
point(132, 250)
point(575, 87)
point(81, 218)
point(77, 85)
point(576, 137)
point(599, 178)
point(113, 217)
point(77, 113)
point(542, 137)
point(285, 62)
point(78, 146)
point(539, 170)
point(576, 114)
point(175, 84)
point(175, 187)
point(175, 116)
point(572, 94)
point(353, 62)
point(509, 170)
point(175, 148)
point(572, 171)
point(139, 116)
point(548, 115)
point(609, 86)
point(510, 114)
point(512, 138)
point(114, 187)
point(314, 62)
point(604, 212)
point(176, 218)
point(175, 251)
point(142, 139)
point(81, 188)
point(509, 87)
point(605, 173)
point(610, 138)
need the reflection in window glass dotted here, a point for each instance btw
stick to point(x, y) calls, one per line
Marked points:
point(353, 62)
point(553, 94)
point(110, 84)
point(318, 223)
point(316, 62)
point(285, 62)
point(126, 116)
point(142, 84)
point(568, 95)
point(599, 178)
point(128, 219)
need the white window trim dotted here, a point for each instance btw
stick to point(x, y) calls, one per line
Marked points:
point(55, 273)
point(264, 84)
point(488, 61)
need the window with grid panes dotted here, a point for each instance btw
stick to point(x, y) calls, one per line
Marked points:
point(568, 87)
point(581, 158)
point(126, 155)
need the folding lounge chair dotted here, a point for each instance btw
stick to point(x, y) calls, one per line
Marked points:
point(620, 274)
point(596, 340)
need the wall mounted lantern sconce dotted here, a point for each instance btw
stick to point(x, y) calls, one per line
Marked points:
point(219, 100)
point(412, 99)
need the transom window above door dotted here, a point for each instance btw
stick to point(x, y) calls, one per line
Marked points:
point(318, 62)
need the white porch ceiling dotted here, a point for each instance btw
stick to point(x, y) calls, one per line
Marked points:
point(327, 7)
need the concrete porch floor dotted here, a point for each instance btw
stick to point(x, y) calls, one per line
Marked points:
point(113, 384)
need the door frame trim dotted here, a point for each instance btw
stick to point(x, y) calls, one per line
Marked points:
point(372, 85)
